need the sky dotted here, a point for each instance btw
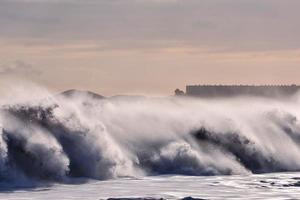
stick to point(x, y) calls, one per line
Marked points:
point(148, 46)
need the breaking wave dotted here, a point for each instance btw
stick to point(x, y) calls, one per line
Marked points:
point(75, 136)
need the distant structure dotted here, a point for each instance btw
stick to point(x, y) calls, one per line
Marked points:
point(241, 90)
point(179, 92)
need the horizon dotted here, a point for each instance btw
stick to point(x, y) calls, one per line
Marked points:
point(185, 88)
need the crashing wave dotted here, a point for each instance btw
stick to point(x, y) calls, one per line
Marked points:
point(71, 136)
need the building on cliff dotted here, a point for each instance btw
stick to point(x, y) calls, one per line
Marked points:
point(241, 90)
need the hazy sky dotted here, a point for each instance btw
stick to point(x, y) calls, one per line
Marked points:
point(149, 46)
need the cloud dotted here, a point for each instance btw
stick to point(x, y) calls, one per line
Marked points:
point(215, 24)
point(19, 67)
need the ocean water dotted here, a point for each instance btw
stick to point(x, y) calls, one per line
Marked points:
point(264, 186)
point(79, 145)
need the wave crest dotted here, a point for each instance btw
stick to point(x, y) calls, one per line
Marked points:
point(116, 137)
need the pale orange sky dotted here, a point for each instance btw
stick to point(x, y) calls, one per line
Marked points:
point(149, 46)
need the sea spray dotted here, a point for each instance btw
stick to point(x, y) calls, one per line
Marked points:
point(63, 137)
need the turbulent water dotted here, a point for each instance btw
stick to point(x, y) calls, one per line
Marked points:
point(264, 186)
point(74, 137)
